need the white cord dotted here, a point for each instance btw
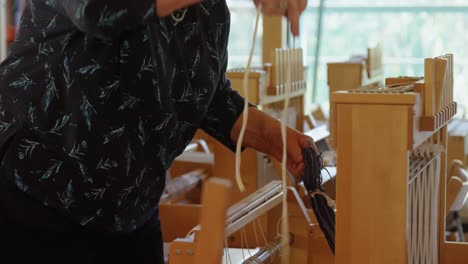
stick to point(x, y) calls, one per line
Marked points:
point(423, 194)
point(285, 224)
point(330, 202)
point(240, 184)
point(285, 219)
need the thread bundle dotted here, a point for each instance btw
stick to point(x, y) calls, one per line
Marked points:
point(322, 205)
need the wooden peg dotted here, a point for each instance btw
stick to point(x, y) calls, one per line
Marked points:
point(215, 200)
point(429, 90)
point(277, 70)
point(440, 83)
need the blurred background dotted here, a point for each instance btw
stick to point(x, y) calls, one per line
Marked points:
point(408, 31)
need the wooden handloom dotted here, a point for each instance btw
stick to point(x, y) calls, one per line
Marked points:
point(260, 173)
point(384, 163)
point(306, 240)
point(353, 74)
point(380, 206)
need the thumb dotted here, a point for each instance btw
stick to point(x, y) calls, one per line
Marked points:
point(295, 145)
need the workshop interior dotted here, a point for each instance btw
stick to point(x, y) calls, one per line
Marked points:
point(380, 87)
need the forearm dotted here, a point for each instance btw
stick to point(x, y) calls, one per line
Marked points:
point(263, 133)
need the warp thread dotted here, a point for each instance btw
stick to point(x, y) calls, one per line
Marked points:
point(322, 205)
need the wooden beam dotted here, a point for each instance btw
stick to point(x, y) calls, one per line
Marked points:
point(274, 36)
point(210, 243)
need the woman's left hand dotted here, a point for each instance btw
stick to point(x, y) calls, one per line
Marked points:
point(295, 142)
point(263, 133)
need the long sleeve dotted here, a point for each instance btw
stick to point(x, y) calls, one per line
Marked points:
point(225, 108)
point(107, 18)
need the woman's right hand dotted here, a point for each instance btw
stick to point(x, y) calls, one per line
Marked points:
point(292, 9)
point(166, 7)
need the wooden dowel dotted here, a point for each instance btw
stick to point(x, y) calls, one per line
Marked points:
point(215, 198)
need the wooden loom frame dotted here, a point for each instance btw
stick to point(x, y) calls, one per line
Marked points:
point(305, 228)
point(382, 129)
point(309, 242)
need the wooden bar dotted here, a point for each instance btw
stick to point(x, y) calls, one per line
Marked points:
point(371, 191)
point(209, 248)
point(433, 123)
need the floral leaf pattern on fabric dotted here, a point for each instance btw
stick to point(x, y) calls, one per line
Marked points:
point(98, 97)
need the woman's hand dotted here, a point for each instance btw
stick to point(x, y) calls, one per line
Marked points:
point(263, 134)
point(292, 9)
point(166, 7)
point(295, 142)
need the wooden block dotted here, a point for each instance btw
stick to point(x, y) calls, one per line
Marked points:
point(451, 77)
point(454, 186)
point(224, 166)
point(310, 121)
point(401, 80)
point(318, 114)
point(275, 30)
point(182, 251)
point(374, 61)
point(457, 148)
point(178, 219)
point(440, 83)
point(429, 88)
point(453, 253)
point(256, 82)
point(276, 79)
point(299, 221)
point(319, 251)
point(360, 237)
point(344, 76)
point(210, 244)
point(436, 121)
point(333, 139)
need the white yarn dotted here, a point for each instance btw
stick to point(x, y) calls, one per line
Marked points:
point(240, 184)
point(285, 224)
point(423, 195)
point(284, 120)
point(330, 202)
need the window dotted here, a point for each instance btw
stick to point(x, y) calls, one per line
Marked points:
point(408, 30)
point(243, 14)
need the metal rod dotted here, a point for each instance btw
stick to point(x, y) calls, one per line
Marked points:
point(267, 253)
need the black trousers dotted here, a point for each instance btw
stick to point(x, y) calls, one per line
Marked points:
point(33, 233)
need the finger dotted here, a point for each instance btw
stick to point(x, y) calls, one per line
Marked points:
point(297, 170)
point(308, 142)
point(294, 146)
point(295, 153)
point(293, 16)
point(302, 5)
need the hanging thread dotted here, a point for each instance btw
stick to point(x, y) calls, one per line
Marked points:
point(245, 114)
point(322, 205)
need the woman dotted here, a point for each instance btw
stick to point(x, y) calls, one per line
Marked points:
point(97, 99)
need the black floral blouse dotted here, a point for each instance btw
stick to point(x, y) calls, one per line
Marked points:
point(98, 97)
